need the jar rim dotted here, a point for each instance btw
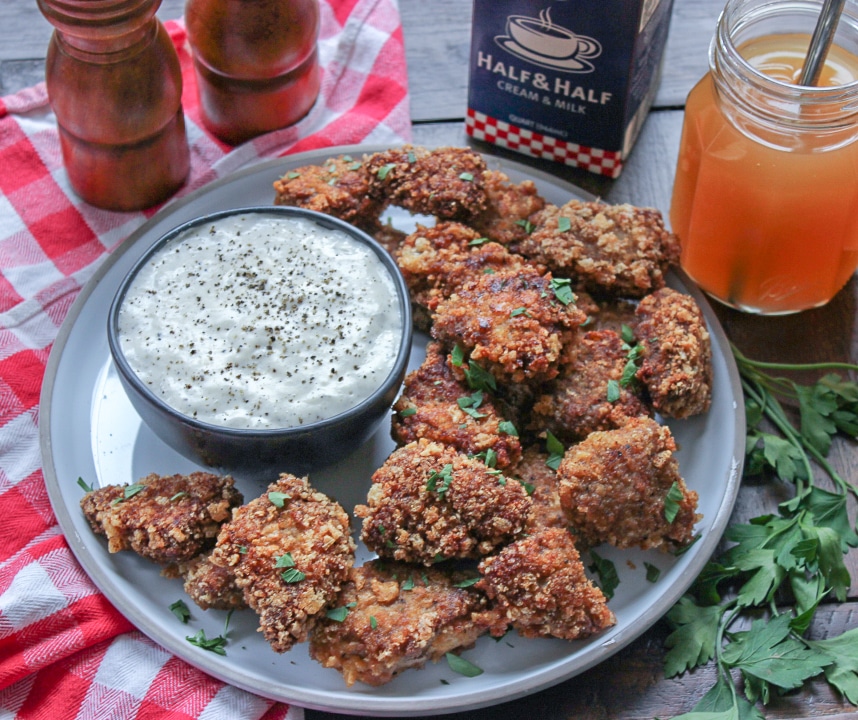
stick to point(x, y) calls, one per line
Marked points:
point(780, 105)
point(738, 16)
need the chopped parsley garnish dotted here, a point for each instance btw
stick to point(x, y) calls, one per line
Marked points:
point(181, 611)
point(457, 356)
point(129, 491)
point(470, 404)
point(439, 482)
point(528, 487)
point(339, 614)
point(608, 577)
point(479, 379)
point(461, 666)
point(216, 644)
point(555, 449)
point(293, 175)
point(292, 576)
point(178, 496)
point(84, 485)
point(671, 502)
point(562, 288)
point(613, 393)
point(507, 428)
point(466, 176)
point(384, 170)
point(467, 583)
point(479, 241)
point(373, 623)
point(652, 572)
point(407, 412)
point(284, 561)
point(408, 584)
point(278, 498)
point(520, 311)
point(526, 224)
point(564, 224)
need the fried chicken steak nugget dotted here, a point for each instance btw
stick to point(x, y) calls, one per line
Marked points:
point(167, 519)
point(609, 249)
point(290, 551)
point(623, 487)
point(211, 586)
point(539, 585)
point(338, 187)
point(437, 406)
point(436, 261)
point(428, 503)
point(676, 364)
point(390, 617)
point(444, 182)
point(506, 219)
point(589, 393)
point(511, 324)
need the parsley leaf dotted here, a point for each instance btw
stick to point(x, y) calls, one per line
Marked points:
point(607, 572)
point(562, 288)
point(440, 481)
point(671, 502)
point(556, 451)
point(216, 645)
point(278, 498)
point(86, 487)
point(463, 667)
point(181, 611)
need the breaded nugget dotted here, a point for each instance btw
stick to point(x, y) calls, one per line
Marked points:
point(506, 220)
point(211, 586)
point(338, 187)
point(540, 481)
point(676, 364)
point(446, 182)
point(290, 551)
point(436, 406)
point(428, 503)
point(391, 617)
point(609, 249)
point(590, 393)
point(436, 261)
point(510, 323)
point(167, 519)
point(619, 486)
point(539, 584)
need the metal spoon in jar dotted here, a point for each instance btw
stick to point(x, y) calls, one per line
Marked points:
point(823, 35)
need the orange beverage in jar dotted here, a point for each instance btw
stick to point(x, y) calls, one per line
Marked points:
point(765, 200)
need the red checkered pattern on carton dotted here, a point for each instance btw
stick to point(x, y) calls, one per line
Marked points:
point(483, 127)
point(65, 651)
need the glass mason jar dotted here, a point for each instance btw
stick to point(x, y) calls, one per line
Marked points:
point(256, 63)
point(115, 86)
point(765, 200)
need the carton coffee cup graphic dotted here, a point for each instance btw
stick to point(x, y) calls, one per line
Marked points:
point(544, 43)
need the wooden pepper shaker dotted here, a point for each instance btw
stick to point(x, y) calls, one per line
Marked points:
point(256, 63)
point(115, 86)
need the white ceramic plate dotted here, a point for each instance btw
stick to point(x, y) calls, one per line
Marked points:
point(89, 430)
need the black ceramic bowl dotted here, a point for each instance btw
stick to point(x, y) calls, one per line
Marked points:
point(262, 452)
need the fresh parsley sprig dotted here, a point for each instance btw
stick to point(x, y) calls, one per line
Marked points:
point(799, 550)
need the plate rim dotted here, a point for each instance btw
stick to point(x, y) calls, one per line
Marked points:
point(363, 704)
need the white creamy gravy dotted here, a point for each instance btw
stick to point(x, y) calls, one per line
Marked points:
point(260, 321)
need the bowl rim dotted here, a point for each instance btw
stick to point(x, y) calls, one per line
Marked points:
point(392, 380)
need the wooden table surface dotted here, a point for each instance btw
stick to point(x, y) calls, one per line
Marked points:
point(630, 685)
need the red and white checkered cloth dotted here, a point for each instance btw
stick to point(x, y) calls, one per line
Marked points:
point(65, 652)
